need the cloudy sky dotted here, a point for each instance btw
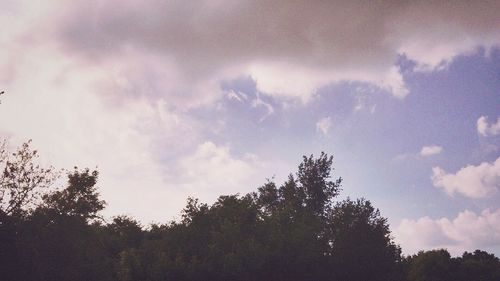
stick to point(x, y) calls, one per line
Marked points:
point(171, 99)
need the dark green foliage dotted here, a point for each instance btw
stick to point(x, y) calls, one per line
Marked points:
point(290, 232)
point(314, 179)
point(56, 241)
point(79, 199)
point(479, 266)
point(294, 231)
point(435, 265)
point(438, 265)
point(362, 248)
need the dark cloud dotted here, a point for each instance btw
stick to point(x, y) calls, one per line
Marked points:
point(206, 35)
point(185, 49)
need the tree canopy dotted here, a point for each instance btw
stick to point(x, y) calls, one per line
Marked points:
point(297, 230)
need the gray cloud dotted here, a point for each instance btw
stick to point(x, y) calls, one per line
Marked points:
point(332, 40)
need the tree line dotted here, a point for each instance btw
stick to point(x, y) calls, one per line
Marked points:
point(294, 231)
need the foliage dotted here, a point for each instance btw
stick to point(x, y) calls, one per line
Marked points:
point(362, 248)
point(293, 231)
point(22, 181)
point(79, 199)
point(438, 265)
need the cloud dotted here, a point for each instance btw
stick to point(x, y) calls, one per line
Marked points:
point(471, 181)
point(430, 150)
point(323, 125)
point(290, 49)
point(54, 103)
point(211, 171)
point(258, 102)
point(236, 95)
point(128, 117)
point(426, 151)
point(485, 129)
point(111, 83)
point(467, 232)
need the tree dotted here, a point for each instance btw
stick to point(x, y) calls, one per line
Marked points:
point(435, 265)
point(478, 266)
point(22, 184)
point(56, 242)
point(314, 179)
point(22, 181)
point(295, 231)
point(79, 199)
point(127, 231)
point(361, 244)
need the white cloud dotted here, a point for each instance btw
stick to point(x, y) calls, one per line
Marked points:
point(392, 81)
point(258, 102)
point(467, 232)
point(430, 150)
point(112, 117)
point(363, 104)
point(323, 125)
point(471, 181)
point(212, 171)
point(287, 80)
point(238, 96)
point(55, 103)
point(486, 129)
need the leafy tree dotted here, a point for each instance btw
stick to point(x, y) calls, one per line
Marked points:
point(57, 242)
point(127, 230)
point(435, 265)
point(314, 178)
point(295, 215)
point(478, 266)
point(79, 199)
point(361, 244)
point(294, 231)
point(22, 181)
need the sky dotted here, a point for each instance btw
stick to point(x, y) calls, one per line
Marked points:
point(170, 99)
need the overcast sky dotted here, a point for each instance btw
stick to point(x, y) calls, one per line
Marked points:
point(171, 99)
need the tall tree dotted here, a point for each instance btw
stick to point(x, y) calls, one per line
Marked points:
point(22, 184)
point(57, 242)
point(314, 179)
point(361, 247)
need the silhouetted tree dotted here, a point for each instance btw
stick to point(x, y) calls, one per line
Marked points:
point(479, 266)
point(79, 199)
point(435, 265)
point(294, 231)
point(22, 181)
point(58, 243)
point(361, 245)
